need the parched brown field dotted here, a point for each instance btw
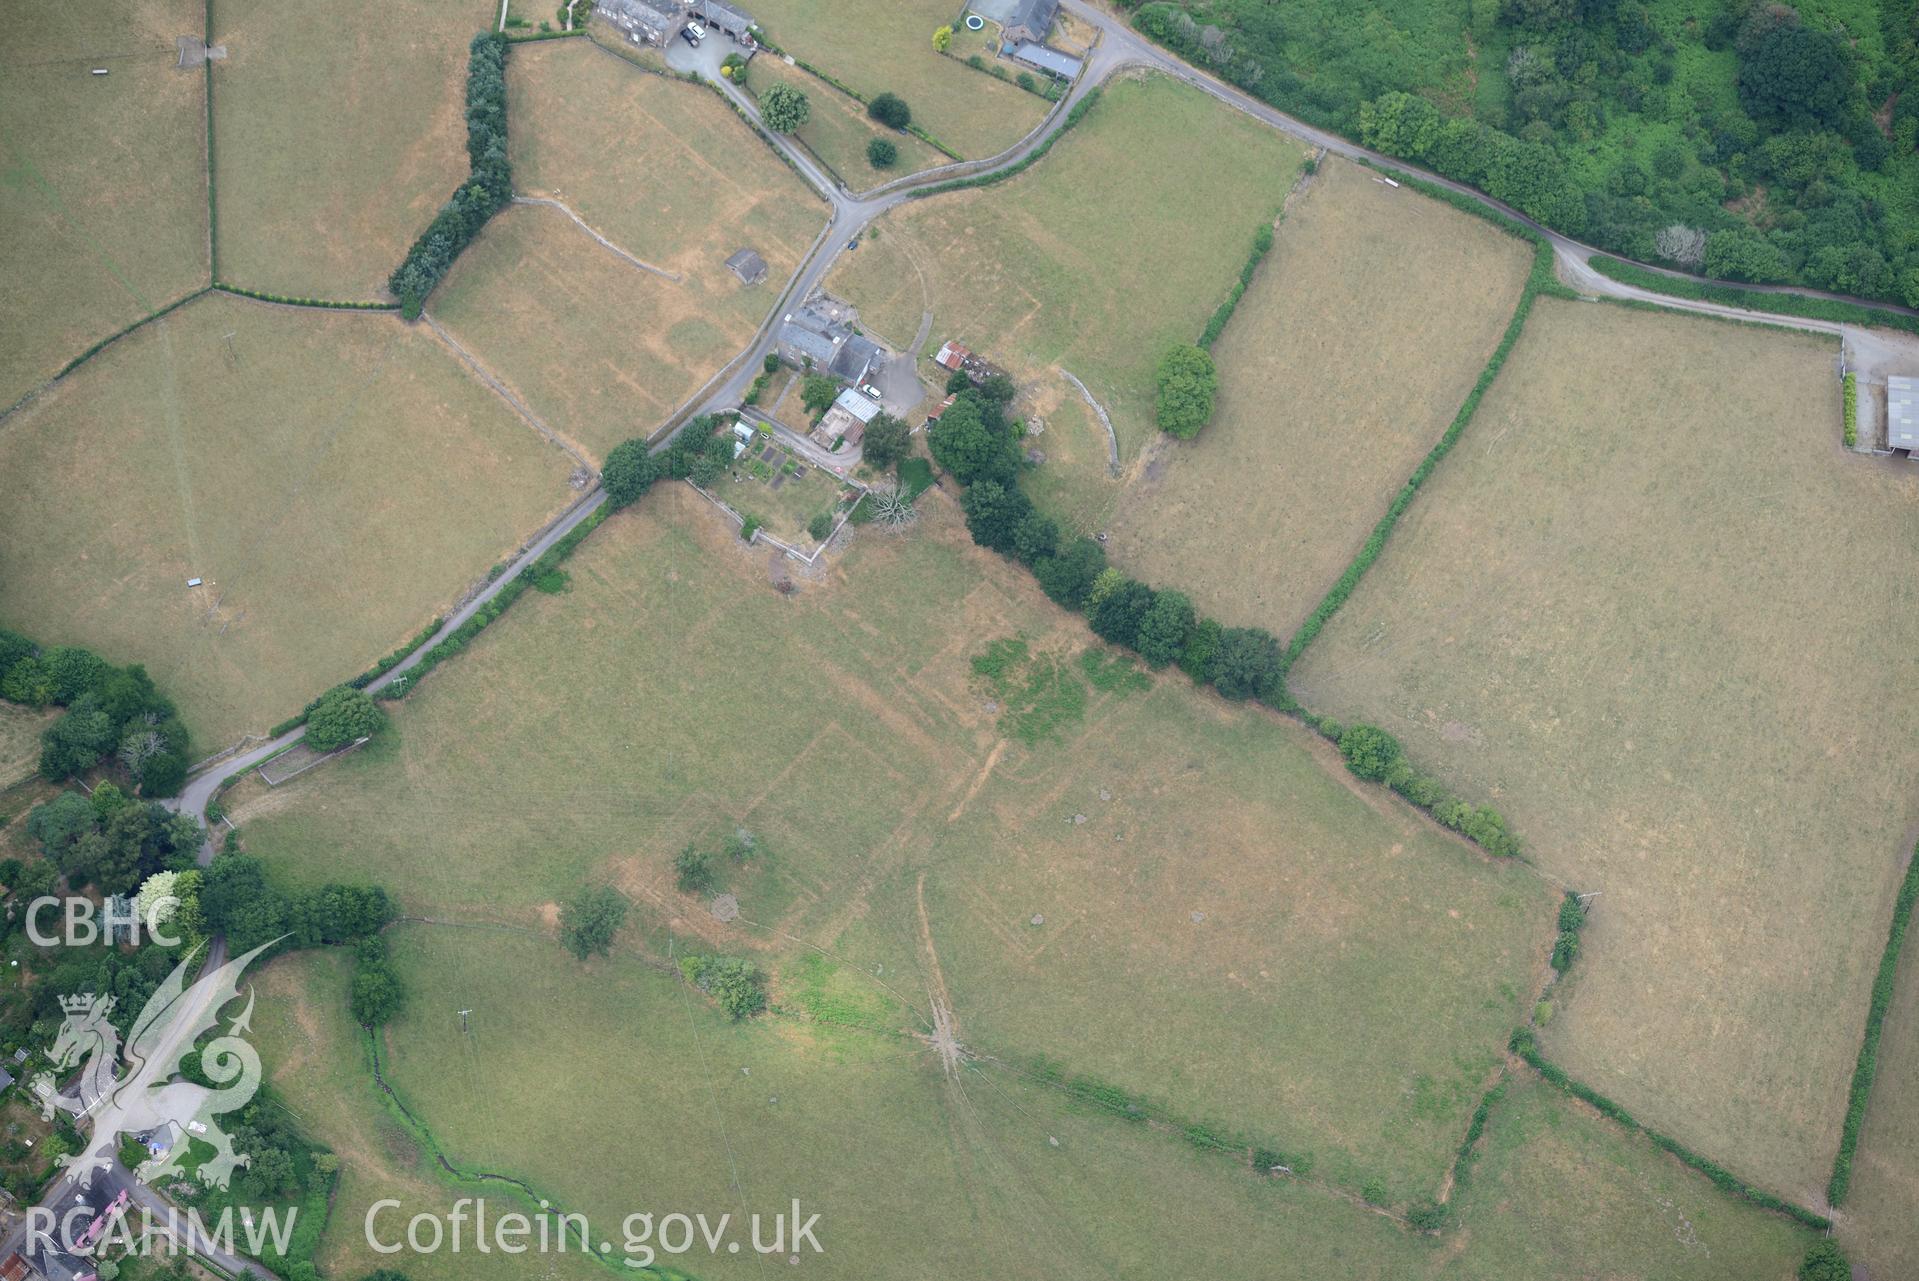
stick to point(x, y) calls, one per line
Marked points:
point(1353, 972)
point(880, 45)
point(1363, 331)
point(20, 740)
point(663, 169)
point(103, 192)
point(1067, 265)
point(335, 478)
point(668, 173)
point(337, 135)
point(1877, 1223)
point(600, 350)
point(1651, 610)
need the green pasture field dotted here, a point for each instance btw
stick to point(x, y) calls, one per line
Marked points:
point(663, 169)
point(320, 471)
point(838, 129)
point(1560, 1193)
point(877, 46)
point(1354, 974)
point(102, 178)
point(338, 132)
point(20, 740)
point(1877, 1224)
point(1365, 327)
point(1067, 265)
point(666, 1104)
point(1645, 609)
point(534, 298)
point(317, 1060)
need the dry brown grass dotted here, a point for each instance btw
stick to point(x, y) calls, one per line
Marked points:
point(661, 168)
point(336, 478)
point(598, 349)
point(1353, 976)
point(1651, 609)
point(20, 740)
point(1362, 332)
point(337, 134)
point(1878, 1226)
point(102, 178)
point(838, 129)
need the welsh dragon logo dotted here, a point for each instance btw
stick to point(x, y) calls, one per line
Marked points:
point(148, 1099)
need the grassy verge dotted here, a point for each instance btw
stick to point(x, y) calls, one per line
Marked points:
point(1729, 295)
point(1868, 1065)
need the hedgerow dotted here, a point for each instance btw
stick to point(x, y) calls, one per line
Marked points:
point(1540, 281)
point(1852, 410)
point(1868, 1065)
point(1262, 243)
point(288, 301)
point(489, 186)
point(1523, 1045)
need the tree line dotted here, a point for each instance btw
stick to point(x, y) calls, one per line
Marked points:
point(487, 190)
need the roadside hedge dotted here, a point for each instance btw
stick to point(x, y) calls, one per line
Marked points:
point(1730, 295)
point(1073, 117)
point(489, 186)
point(1852, 410)
point(1868, 1065)
point(1523, 1045)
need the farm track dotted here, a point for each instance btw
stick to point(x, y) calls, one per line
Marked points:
point(1118, 49)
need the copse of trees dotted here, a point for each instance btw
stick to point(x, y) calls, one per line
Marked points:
point(784, 108)
point(341, 716)
point(1187, 383)
point(377, 993)
point(630, 471)
point(487, 190)
point(237, 900)
point(114, 716)
point(890, 110)
point(110, 840)
point(974, 441)
point(700, 453)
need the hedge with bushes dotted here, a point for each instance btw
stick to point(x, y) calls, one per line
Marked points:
point(1073, 117)
point(1262, 243)
point(489, 185)
point(1523, 1045)
point(1852, 410)
point(1868, 1064)
point(288, 301)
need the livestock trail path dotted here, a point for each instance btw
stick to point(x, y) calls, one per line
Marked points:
point(1118, 48)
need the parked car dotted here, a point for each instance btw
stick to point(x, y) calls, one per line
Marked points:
point(693, 33)
point(869, 391)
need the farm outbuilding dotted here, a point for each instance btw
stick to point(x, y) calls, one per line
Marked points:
point(651, 22)
point(1051, 61)
point(748, 266)
point(1902, 413)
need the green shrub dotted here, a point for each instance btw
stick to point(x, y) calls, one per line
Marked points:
point(890, 110)
point(882, 153)
point(693, 870)
point(1369, 751)
point(1565, 951)
point(340, 716)
point(1852, 410)
point(1187, 383)
point(551, 581)
point(820, 526)
point(737, 985)
point(1825, 1261)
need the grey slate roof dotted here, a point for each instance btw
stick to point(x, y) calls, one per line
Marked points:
point(1052, 61)
point(748, 266)
point(856, 357)
point(1030, 19)
point(724, 16)
point(1902, 413)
